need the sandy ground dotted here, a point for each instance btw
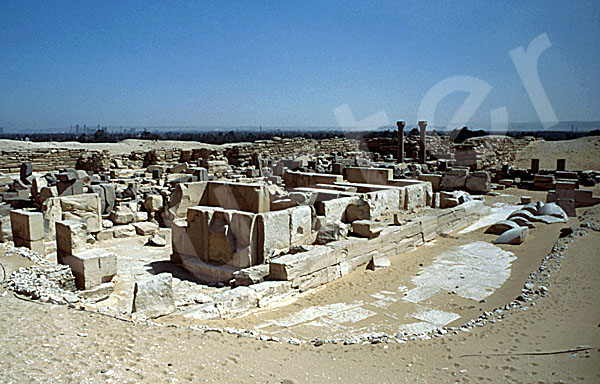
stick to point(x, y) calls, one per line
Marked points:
point(122, 147)
point(581, 154)
point(50, 343)
point(43, 343)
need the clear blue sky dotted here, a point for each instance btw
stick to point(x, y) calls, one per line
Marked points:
point(284, 63)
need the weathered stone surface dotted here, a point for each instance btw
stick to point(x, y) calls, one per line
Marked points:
point(501, 227)
point(92, 267)
point(513, 236)
point(85, 208)
point(157, 241)
point(252, 275)
point(27, 225)
point(522, 222)
point(71, 237)
point(146, 228)
point(273, 233)
point(300, 225)
point(123, 214)
point(289, 267)
point(236, 301)
point(270, 292)
point(366, 228)
point(454, 179)
point(186, 195)
point(122, 231)
point(379, 261)
point(153, 203)
point(478, 181)
point(153, 296)
point(331, 231)
point(552, 209)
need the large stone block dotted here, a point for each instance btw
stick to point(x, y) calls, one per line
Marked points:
point(71, 237)
point(273, 233)
point(92, 267)
point(478, 181)
point(186, 195)
point(289, 267)
point(369, 175)
point(85, 208)
point(153, 296)
point(27, 225)
point(300, 225)
point(454, 179)
point(238, 196)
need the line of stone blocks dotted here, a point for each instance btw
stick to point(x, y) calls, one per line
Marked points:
point(322, 264)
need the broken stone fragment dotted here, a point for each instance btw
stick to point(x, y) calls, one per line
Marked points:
point(501, 227)
point(157, 241)
point(146, 228)
point(513, 236)
point(153, 296)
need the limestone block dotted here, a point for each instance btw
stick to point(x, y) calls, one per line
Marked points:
point(434, 179)
point(300, 225)
point(250, 276)
point(236, 301)
point(122, 214)
point(92, 267)
point(153, 296)
point(271, 292)
point(184, 196)
point(146, 228)
point(568, 205)
point(366, 228)
point(330, 230)
point(416, 196)
point(513, 236)
point(369, 175)
point(181, 242)
point(153, 203)
point(274, 233)
point(209, 272)
point(552, 209)
point(522, 222)
point(316, 279)
point(98, 190)
point(479, 182)
point(289, 267)
point(501, 227)
point(27, 225)
point(455, 178)
point(71, 237)
point(335, 209)
point(110, 197)
point(249, 197)
point(34, 245)
point(84, 207)
point(123, 231)
point(379, 261)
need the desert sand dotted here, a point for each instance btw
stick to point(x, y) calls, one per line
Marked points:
point(555, 340)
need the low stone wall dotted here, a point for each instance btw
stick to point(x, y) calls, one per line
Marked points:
point(42, 160)
point(279, 148)
point(323, 264)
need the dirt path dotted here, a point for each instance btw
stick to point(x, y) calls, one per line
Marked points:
point(49, 343)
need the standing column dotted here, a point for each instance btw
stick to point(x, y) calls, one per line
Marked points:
point(400, 155)
point(422, 149)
